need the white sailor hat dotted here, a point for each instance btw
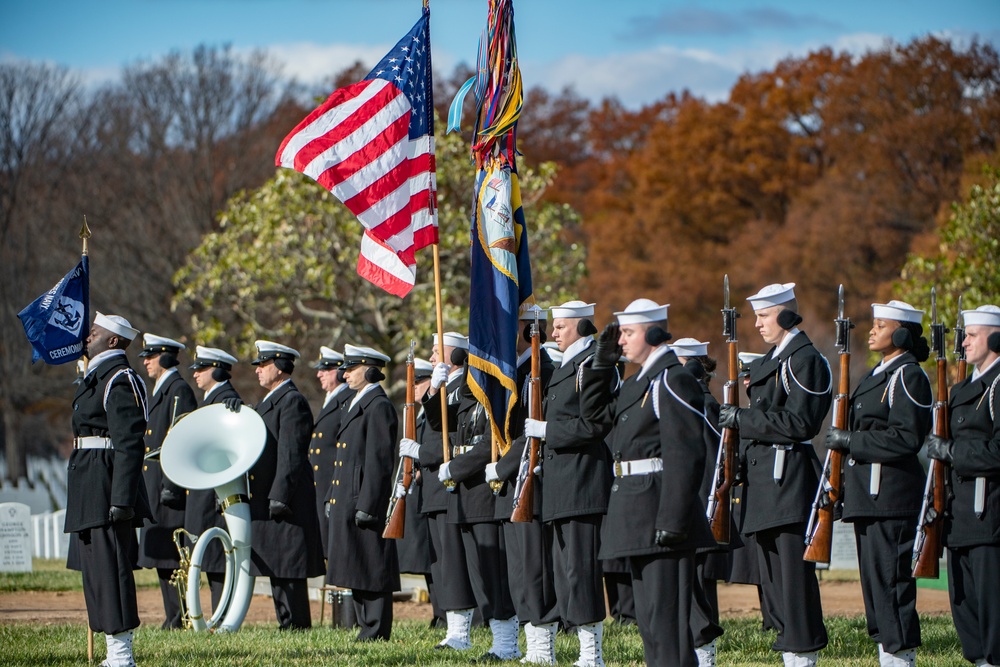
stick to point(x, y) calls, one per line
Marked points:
point(212, 357)
point(528, 314)
point(267, 351)
point(329, 359)
point(772, 295)
point(689, 347)
point(987, 316)
point(422, 369)
point(355, 355)
point(897, 310)
point(572, 309)
point(555, 354)
point(454, 339)
point(116, 324)
point(642, 311)
point(153, 345)
point(745, 359)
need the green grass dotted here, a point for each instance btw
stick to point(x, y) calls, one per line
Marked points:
point(412, 642)
point(52, 575)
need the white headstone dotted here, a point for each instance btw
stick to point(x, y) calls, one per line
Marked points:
point(844, 548)
point(60, 539)
point(15, 537)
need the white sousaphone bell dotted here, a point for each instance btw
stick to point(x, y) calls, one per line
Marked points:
point(213, 448)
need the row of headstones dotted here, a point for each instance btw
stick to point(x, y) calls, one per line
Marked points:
point(43, 489)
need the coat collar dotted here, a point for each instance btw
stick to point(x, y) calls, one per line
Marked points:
point(633, 390)
point(569, 369)
point(359, 408)
point(874, 380)
point(768, 364)
point(272, 399)
point(969, 390)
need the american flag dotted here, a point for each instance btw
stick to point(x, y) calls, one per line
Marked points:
point(372, 145)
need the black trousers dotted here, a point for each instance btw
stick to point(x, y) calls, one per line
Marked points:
point(107, 556)
point(171, 600)
point(291, 603)
point(789, 589)
point(449, 570)
point(216, 583)
point(705, 626)
point(663, 588)
point(373, 610)
point(579, 579)
point(621, 600)
point(485, 554)
point(973, 585)
point(529, 572)
point(885, 549)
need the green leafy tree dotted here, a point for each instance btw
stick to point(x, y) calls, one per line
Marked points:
point(283, 265)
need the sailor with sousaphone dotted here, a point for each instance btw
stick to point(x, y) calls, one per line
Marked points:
point(359, 557)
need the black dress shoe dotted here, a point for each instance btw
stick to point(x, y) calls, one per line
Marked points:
point(486, 658)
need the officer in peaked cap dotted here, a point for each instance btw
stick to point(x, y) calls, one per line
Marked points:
point(655, 516)
point(172, 397)
point(359, 557)
point(322, 448)
point(284, 530)
point(212, 370)
point(972, 516)
point(105, 497)
point(790, 390)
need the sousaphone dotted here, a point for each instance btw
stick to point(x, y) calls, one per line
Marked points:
point(213, 448)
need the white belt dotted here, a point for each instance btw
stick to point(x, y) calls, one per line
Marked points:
point(92, 442)
point(638, 467)
point(460, 449)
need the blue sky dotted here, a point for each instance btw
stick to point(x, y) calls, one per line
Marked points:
point(637, 50)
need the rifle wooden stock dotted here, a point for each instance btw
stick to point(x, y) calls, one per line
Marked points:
point(819, 541)
point(396, 518)
point(928, 545)
point(721, 517)
point(524, 508)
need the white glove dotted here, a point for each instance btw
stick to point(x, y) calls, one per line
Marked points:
point(491, 472)
point(444, 474)
point(439, 375)
point(400, 491)
point(534, 428)
point(409, 448)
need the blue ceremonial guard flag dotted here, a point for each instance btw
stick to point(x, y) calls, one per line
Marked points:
point(57, 323)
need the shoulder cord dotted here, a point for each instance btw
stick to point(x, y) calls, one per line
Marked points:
point(656, 397)
point(898, 375)
point(786, 372)
point(993, 391)
point(138, 390)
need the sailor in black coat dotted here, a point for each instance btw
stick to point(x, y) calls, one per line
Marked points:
point(527, 544)
point(212, 371)
point(888, 419)
point(359, 557)
point(790, 393)
point(105, 497)
point(322, 448)
point(172, 398)
point(284, 527)
point(972, 516)
point(655, 515)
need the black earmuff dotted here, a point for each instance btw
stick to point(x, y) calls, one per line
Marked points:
point(993, 342)
point(167, 359)
point(657, 335)
point(284, 365)
point(340, 376)
point(459, 356)
point(527, 333)
point(586, 327)
point(373, 375)
point(789, 319)
point(694, 367)
point(220, 374)
point(902, 338)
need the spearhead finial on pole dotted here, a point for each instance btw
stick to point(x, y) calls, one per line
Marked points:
point(85, 234)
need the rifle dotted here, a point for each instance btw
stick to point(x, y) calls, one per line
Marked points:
point(720, 499)
point(928, 546)
point(524, 494)
point(819, 531)
point(395, 516)
point(963, 366)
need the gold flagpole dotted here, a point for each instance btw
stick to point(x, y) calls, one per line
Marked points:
point(85, 235)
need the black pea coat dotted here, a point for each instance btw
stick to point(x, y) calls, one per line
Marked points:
point(100, 478)
point(156, 543)
point(975, 428)
point(290, 548)
point(414, 550)
point(641, 504)
point(322, 452)
point(472, 500)
point(509, 464)
point(889, 417)
point(433, 495)
point(789, 397)
point(360, 558)
point(201, 511)
point(576, 464)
